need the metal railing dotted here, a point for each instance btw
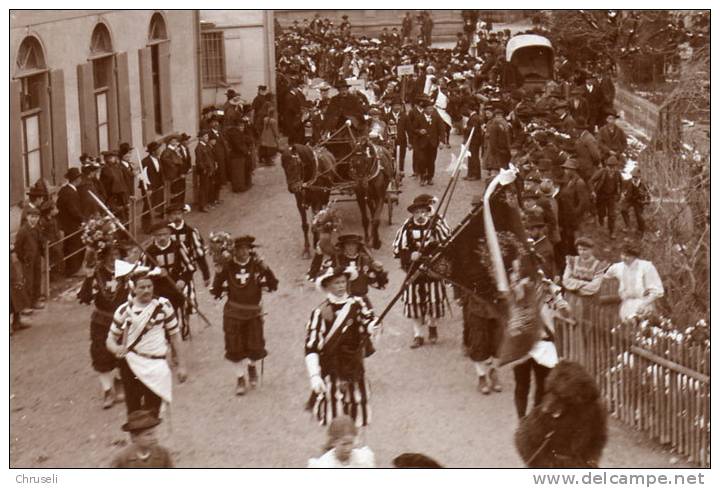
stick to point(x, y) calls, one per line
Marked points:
point(139, 207)
point(656, 384)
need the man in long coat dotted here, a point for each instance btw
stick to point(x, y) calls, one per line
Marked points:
point(497, 142)
point(70, 217)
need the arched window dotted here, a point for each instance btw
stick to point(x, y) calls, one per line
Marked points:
point(32, 75)
point(158, 31)
point(100, 42)
point(30, 56)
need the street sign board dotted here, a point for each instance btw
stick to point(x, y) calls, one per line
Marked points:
point(405, 70)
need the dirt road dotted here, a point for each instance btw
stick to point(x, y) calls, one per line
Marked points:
point(423, 400)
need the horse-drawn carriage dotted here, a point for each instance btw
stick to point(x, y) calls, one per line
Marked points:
point(351, 160)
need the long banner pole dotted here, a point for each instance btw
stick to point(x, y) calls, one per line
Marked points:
point(150, 258)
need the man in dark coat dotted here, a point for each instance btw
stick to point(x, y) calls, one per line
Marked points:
point(497, 142)
point(152, 186)
point(342, 107)
point(294, 103)
point(588, 154)
point(129, 169)
point(407, 25)
point(573, 200)
point(239, 160)
point(594, 99)
point(398, 127)
point(578, 107)
point(172, 167)
point(205, 168)
point(220, 150)
point(113, 180)
point(612, 139)
point(90, 183)
point(474, 122)
point(70, 217)
point(428, 131)
point(607, 185)
point(184, 151)
point(259, 110)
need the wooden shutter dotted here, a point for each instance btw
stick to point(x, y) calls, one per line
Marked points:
point(88, 111)
point(165, 95)
point(146, 95)
point(17, 179)
point(59, 125)
point(46, 153)
point(112, 109)
point(123, 97)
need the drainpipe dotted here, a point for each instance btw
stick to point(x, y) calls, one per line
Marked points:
point(269, 28)
point(198, 67)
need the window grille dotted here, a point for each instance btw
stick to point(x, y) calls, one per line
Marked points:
point(213, 59)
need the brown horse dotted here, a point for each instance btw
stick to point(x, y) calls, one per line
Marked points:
point(310, 188)
point(365, 168)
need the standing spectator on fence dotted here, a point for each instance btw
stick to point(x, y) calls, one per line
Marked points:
point(29, 250)
point(640, 283)
point(172, 167)
point(407, 26)
point(152, 184)
point(582, 278)
point(205, 169)
point(427, 27)
point(130, 169)
point(636, 196)
point(115, 184)
point(184, 151)
point(70, 217)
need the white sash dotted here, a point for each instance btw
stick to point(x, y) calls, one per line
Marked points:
point(342, 315)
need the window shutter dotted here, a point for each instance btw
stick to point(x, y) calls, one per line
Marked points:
point(165, 96)
point(88, 115)
point(112, 109)
point(17, 184)
point(59, 125)
point(46, 153)
point(146, 95)
point(123, 97)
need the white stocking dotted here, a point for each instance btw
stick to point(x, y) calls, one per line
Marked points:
point(240, 368)
point(418, 327)
point(107, 380)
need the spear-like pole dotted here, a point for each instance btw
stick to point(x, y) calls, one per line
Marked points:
point(150, 258)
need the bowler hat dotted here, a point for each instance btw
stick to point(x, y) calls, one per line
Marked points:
point(170, 137)
point(245, 240)
point(124, 148)
point(152, 146)
point(342, 83)
point(185, 137)
point(72, 174)
point(140, 420)
point(84, 157)
point(37, 192)
point(546, 188)
point(262, 87)
point(415, 206)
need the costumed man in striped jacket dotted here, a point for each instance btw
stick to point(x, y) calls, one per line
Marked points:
point(425, 298)
point(245, 275)
point(192, 242)
point(337, 335)
point(138, 337)
point(107, 292)
point(176, 267)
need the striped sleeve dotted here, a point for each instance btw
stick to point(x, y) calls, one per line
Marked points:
point(367, 314)
point(198, 243)
point(400, 242)
point(443, 230)
point(313, 330)
point(170, 323)
point(187, 262)
point(119, 318)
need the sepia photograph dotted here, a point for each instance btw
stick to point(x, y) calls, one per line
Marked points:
point(358, 238)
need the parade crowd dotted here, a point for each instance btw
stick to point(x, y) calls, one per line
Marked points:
point(561, 142)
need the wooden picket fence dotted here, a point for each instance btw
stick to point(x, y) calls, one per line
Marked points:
point(659, 386)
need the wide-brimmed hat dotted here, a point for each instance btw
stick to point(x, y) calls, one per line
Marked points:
point(125, 147)
point(332, 273)
point(246, 240)
point(140, 420)
point(38, 190)
point(152, 146)
point(72, 174)
point(170, 137)
point(342, 83)
point(349, 239)
point(185, 137)
point(418, 206)
point(546, 188)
